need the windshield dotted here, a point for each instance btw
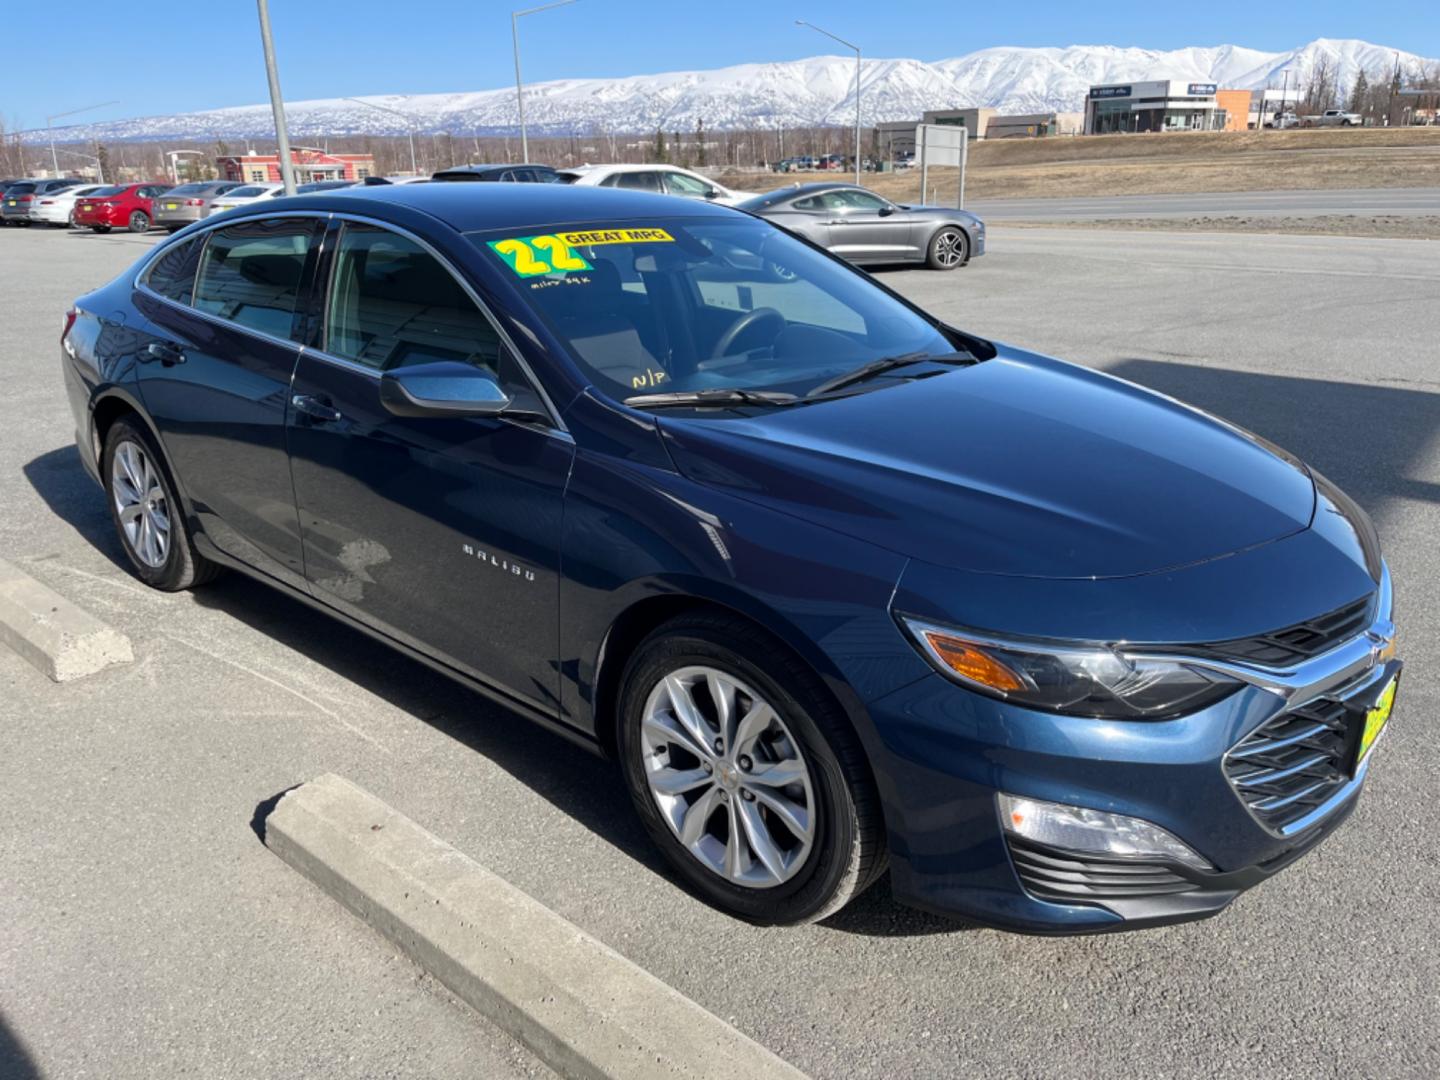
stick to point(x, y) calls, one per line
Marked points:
point(248, 192)
point(702, 303)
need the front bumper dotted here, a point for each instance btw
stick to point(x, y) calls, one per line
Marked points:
point(948, 752)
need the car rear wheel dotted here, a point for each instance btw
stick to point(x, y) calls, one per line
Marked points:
point(745, 774)
point(147, 516)
point(949, 248)
point(139, 221)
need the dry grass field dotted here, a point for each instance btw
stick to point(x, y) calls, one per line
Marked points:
point(1170, 163)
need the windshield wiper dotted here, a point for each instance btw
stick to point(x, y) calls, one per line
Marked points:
point(884, 364)
point(721, 395)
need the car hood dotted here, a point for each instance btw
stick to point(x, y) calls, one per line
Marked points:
point(1019, 465)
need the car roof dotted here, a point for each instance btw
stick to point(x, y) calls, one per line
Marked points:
point(466, 208)
point(797, 191)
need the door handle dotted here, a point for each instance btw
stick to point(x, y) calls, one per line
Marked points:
point(315, 408)
point(166, 352)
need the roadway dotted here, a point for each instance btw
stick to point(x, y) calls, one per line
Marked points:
point(1361, 202)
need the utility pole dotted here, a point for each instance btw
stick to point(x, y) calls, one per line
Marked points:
point(848, 45)
point(277, 103)
point(519, 84)
point(50, 129)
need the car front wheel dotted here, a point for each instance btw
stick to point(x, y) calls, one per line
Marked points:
point(745, 773)
point(147, 516)
point(949, 248)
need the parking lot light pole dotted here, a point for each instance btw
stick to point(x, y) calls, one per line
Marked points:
point(519, 85)
point(848, 45)
point(409, 124)
point(277, 103)
point(173, 155)
point(50, 130)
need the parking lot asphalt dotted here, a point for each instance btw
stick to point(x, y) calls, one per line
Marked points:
point(144, 930)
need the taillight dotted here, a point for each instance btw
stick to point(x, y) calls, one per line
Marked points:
point(26, 198)
point(194, 202)
point(108, 205)
point(69, 322)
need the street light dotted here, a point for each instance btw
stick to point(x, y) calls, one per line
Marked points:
point(175, 165)
point(99, 165)
point(277, 103)
point(50, 128)
point(519, 86)
point(409, 123)
point(848, 45)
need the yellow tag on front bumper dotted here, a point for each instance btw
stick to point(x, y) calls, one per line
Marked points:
point(1375, 720)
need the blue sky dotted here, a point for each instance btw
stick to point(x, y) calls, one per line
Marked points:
point(196, 54)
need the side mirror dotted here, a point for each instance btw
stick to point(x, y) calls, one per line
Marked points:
point(445, 388)
point(712, 194)
point(886, 211)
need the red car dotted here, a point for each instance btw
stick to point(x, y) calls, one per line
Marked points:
point(126, 206)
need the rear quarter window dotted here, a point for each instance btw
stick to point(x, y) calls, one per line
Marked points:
point(172, 275)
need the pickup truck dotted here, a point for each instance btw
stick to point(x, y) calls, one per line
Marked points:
point(1333, 118)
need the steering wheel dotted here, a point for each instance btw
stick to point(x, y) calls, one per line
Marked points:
point(751, 318)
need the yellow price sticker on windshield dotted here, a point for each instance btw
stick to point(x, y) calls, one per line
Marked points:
point(532, 256)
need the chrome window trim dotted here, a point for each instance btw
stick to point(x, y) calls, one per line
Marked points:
point(325, 217)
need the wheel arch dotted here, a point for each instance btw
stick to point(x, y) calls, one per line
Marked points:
point(637, 620)
point(109, 407)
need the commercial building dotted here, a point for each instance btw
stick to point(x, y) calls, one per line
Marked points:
point(1163, 105)
point(1034, 125)
point(309, 165)
point(1232, 109)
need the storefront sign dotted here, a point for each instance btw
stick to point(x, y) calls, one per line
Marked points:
point(1109, 91)
point(1202, 89)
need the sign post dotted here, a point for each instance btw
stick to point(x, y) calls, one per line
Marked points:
point(942, 144)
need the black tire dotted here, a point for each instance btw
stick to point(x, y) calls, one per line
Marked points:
point(940, 255)
point(139, 221)
point(848, 852)
point(183, 567)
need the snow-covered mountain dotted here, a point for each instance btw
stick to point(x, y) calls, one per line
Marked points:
point(799, 93)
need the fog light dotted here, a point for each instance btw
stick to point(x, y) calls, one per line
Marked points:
point(1093, 831)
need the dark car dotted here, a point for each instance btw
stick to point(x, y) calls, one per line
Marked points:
point(838, 584)
point(866, 228)
point(520, 174)
point(22, 196)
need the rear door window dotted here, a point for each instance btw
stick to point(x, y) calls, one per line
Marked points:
point(393, 304)
point(638, 181)
point(252, 274)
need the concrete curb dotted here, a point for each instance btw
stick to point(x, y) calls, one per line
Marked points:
point(584, 1009)
point(62, 640)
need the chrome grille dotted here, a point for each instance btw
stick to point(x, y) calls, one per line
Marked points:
point(1292, 763)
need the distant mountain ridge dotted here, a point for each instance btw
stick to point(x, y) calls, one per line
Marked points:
point(799, 93)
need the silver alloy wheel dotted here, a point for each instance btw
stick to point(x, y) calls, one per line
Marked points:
point(728, 777)
point(140, 504)
point(949, 248)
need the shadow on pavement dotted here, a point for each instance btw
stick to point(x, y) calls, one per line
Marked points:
point(60, 479)
point(15, 1063)
point(1370, 439)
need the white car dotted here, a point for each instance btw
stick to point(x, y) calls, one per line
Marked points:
point(242, 196)
point(58, 208)
point(664, 179)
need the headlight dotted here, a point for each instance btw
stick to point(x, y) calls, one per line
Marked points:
point(1076, 678)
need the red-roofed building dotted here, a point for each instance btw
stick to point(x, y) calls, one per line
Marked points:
point(310, 165)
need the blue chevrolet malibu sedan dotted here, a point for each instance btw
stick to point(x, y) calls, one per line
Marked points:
point(839, 586)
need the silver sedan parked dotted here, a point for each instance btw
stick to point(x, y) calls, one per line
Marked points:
point(862, 227)
point(180, 206)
